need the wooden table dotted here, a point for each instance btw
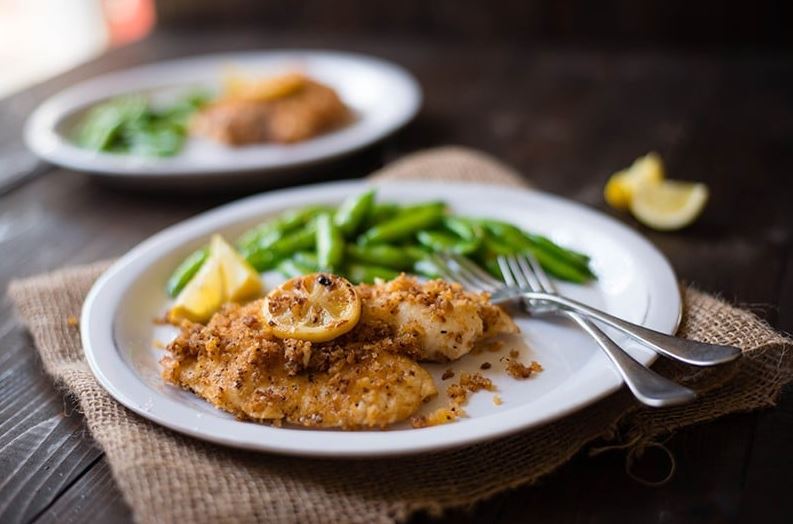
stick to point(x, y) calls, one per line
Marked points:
point(566, 117)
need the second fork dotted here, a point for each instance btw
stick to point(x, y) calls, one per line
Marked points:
point(647, 386)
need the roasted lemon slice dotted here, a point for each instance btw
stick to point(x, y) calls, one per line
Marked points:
point(316, 307)
point(224, 277)
point(669, 205)
point(623, 185)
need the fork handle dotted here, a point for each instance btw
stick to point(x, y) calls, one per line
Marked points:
point(647, 386)
point(684, 350)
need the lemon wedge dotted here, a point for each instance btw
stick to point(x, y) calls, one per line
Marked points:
point(669, 205)
point(623, 185)
point(225, 277)
point(202, 296)
point(240, 279)
point(316, 307)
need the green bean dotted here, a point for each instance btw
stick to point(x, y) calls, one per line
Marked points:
point(381, 212)
point(491, 265)
point(404, 225)
point(574, 258)
point(382, 255)
point(267, 233)
point(186, 271)
point(263, 258)
point(330, 243)
point(415, 252)
point(290, 268)
point(358, 273)
point(441, 242)
point(514, 239)
point(506, 234)
point(560, 269)
point(493, 247)
point(537, 244)
point(519, 244)
point(463, 228)
point(352, 212)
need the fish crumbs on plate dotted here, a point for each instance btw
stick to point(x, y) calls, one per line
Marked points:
point(368, 377)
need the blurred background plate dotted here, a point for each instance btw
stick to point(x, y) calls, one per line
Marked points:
point(382, 96)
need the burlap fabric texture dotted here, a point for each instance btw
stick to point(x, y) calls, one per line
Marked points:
point(166, 477)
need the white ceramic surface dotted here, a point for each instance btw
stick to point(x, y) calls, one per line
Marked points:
point(635, 282)
point(382, 95)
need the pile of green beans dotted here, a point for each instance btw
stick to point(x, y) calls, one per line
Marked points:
point(364, 240)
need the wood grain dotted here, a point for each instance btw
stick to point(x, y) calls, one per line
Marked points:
point(566, 117)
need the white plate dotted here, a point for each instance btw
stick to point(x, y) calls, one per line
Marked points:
point(635, 282)
point(383, 97)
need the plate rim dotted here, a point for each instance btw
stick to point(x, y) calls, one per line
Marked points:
point(91, 321)
point(42, 139)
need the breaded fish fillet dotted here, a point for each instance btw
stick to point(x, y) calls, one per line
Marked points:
point(447, 320)
point(359, 380)
point(366, 378)
point(312, 110)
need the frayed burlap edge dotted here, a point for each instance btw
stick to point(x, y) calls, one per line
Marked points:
point(166, 477)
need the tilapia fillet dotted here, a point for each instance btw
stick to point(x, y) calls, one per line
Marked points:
point(367, 378)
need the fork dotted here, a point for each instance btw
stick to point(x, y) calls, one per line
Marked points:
point(684, 350)
point(647, 386)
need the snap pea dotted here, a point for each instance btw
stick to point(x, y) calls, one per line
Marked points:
point(570, 256)
point(267, 233)
point(290, 268)
point(382, 255)
point(465, 229)
point(264, 258)
point(352, 212)
point(441, 242)
point(491, 265)
point(493, 246)
point(358, 273)
point(329, 242)
point(558, 268)
point(186, 271)
point(415, 253)
point(381, 212)
point(506, 234)
point(513, 238)
point(404, 225)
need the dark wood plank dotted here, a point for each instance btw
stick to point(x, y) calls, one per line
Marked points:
point(94, 497)
point(43, 447)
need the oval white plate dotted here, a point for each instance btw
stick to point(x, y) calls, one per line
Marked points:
point(636, 282)
point(383, 97)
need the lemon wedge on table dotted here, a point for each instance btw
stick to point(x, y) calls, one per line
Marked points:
point(669, 205)
point(225, 277)
point(623, 185)
point(316, 307)
point(656, 202)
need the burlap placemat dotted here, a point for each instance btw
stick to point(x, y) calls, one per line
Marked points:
point(166, 477)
